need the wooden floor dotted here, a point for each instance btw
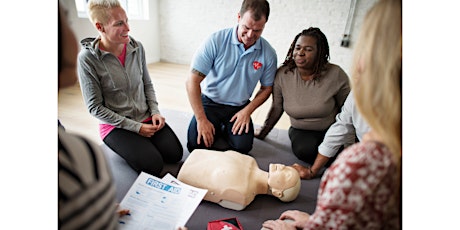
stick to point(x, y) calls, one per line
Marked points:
point(169, 84)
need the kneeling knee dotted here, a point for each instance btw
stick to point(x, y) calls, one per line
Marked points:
point(243, 148)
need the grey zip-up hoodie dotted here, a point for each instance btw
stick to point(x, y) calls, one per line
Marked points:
point(116, 95)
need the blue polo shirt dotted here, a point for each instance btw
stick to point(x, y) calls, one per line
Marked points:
point(231, 71)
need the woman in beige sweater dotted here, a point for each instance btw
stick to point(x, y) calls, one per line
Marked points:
point(310, 90)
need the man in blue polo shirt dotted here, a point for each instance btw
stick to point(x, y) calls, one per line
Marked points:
point(225, 71)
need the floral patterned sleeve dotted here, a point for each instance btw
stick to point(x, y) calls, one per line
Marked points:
point(358, 191)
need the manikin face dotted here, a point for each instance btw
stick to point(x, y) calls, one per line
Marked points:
point(116, 30)
point(249, 30)
point(305, 52)
point(281, 177)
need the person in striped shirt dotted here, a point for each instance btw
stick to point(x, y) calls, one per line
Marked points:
point(86, 192)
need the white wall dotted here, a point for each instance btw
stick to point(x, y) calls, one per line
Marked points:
point(184, 24)
point(146, 31)
point(177, 27)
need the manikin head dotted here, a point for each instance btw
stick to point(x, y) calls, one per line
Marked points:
point(283, 182)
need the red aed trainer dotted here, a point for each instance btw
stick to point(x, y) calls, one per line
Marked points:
point(225, 224)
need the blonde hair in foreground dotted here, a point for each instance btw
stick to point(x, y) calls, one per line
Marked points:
point(377, 73)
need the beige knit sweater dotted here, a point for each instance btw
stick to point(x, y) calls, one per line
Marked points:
point(310, 105)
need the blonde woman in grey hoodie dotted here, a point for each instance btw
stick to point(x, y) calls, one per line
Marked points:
point(118, 91)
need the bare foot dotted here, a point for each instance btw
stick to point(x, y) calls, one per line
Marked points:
point(304, 173)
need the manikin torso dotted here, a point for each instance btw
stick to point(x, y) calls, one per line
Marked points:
point(232, 179)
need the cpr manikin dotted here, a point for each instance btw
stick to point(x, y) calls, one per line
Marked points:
point(234, 179)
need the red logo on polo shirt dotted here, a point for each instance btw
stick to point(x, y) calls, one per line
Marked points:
point(257, 65)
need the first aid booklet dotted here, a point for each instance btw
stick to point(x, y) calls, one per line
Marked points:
point(155, 203)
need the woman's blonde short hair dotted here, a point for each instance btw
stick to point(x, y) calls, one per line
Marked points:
point(98, 10)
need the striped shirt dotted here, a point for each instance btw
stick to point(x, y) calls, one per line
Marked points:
point(86, 193)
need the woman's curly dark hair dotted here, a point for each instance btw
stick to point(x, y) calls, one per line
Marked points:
point(323, 51)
